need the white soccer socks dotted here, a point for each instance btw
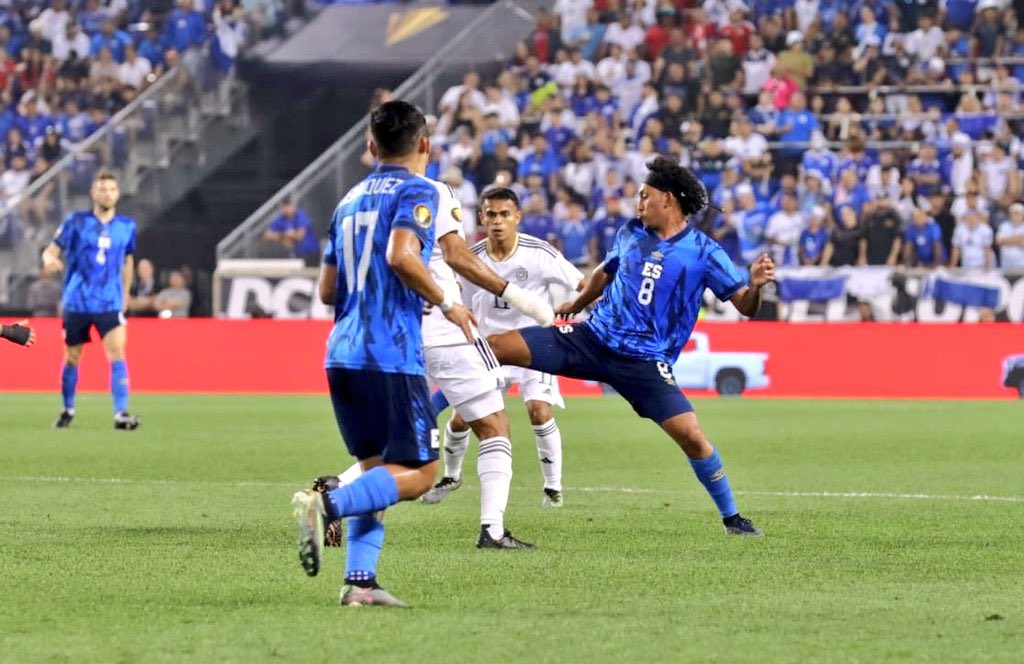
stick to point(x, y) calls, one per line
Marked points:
point(455, 444)
point(494, 467)
point(549, 451)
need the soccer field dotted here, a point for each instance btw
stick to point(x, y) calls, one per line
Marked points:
point(893, 533)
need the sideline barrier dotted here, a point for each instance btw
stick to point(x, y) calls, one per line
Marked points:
point(856, 360)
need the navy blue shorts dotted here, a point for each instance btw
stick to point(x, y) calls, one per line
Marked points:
point(385, 414)
point(576, 352)
point(78, 325)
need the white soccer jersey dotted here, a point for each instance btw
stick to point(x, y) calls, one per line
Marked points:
point(438, 330)
point(535, 266)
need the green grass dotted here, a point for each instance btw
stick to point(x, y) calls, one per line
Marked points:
point(175, 542)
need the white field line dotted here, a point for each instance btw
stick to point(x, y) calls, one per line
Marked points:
point(587, 489)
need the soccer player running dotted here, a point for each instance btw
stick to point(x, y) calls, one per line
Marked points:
point(18, 333)
point(652, 281)
point(374, 272)
point(98, 248)
point(538, 268)
point(467, 374)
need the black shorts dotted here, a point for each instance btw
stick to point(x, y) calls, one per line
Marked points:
point(385, 414)
point(77, 325)
point(576, 352)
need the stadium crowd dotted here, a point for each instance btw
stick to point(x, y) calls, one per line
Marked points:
point(828, 132)
point(67, 66)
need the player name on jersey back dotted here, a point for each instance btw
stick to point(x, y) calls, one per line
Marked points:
point(377, 318)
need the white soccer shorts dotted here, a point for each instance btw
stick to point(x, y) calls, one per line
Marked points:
point(469, 376)
point(534, 385)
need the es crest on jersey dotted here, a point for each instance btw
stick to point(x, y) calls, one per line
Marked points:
point(521, 274)
point(421, 213)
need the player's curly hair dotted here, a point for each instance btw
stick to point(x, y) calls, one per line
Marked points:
point(666, 174)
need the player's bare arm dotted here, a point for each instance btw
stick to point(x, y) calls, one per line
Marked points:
point(590, 290)
point(404, 258)
point(748, 299)
point(19, 333)
point(51, 259)
point(328, 286)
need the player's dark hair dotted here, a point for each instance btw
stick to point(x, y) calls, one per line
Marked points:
point(499, 194)
point(396, 127)
point(666, 174)
point(104, 175)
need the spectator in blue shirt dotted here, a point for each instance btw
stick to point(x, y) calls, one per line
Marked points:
point(573, 235)
point(31, 122)
point(558, 136)
point(152, 48)
point(796, 125)
point(112, 38)
point(922, 241)
point(91, 17)
point(605, 228)
point(537, 221)
point(185, 27)
point(494, 133)
point(814, 240)
point(850, 191)
point(588, 37)
point(926, 171)
point(544, 158)
point(293, 230)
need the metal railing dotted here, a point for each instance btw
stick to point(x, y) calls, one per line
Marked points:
point(142, 135)
point(320, 185)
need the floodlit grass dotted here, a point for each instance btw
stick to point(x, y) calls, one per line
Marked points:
point(175, 542)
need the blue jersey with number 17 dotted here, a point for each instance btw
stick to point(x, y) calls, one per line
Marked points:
point(94, 255)
point(376, 317)
point(652, 303)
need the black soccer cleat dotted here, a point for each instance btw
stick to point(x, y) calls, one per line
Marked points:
point(332, 529)
point(126, 422)
point(64, 421)
point(741, 526)
point(507, 541)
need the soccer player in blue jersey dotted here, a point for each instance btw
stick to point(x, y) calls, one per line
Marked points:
point(375, 274)
point(98, 249)
point(652, 281)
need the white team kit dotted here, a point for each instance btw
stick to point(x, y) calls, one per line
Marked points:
point(537, 267)
point(468, 374)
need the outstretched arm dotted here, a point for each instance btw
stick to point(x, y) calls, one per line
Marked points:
point(593, 289)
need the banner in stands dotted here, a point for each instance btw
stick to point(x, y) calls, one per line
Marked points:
point(887, 294)
point(857, 360)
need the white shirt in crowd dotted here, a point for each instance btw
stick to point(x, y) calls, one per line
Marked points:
point(610, 70)
point(961, 207)
point(718, 10)
point(925, 44)
point(627, 38)
point(13, 182)
point(566, 73)
point(806, 12)
point(747, 148)
point(62, 46)
point(574, 15)
point(960, 172)
point(1011, 256)
point(450, 99)
point(134, 73)
point(51, 23)
point(757, 69)
point(996, 176)
point(973, 243)
point(535, 266)
point(784, 229)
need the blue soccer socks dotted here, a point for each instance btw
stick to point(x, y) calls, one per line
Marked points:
point(365, 539)
point(68, 385)
point(119, 385)
point(372, 491)
point(711, 474)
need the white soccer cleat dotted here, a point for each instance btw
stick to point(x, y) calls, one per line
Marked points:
point(308, 508)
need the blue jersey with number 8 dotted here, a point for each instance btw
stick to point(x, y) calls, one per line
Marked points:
point(94, 254)
point(651, 305)
point(376, 317)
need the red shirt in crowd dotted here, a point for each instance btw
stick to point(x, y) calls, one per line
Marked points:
point(739, 34)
